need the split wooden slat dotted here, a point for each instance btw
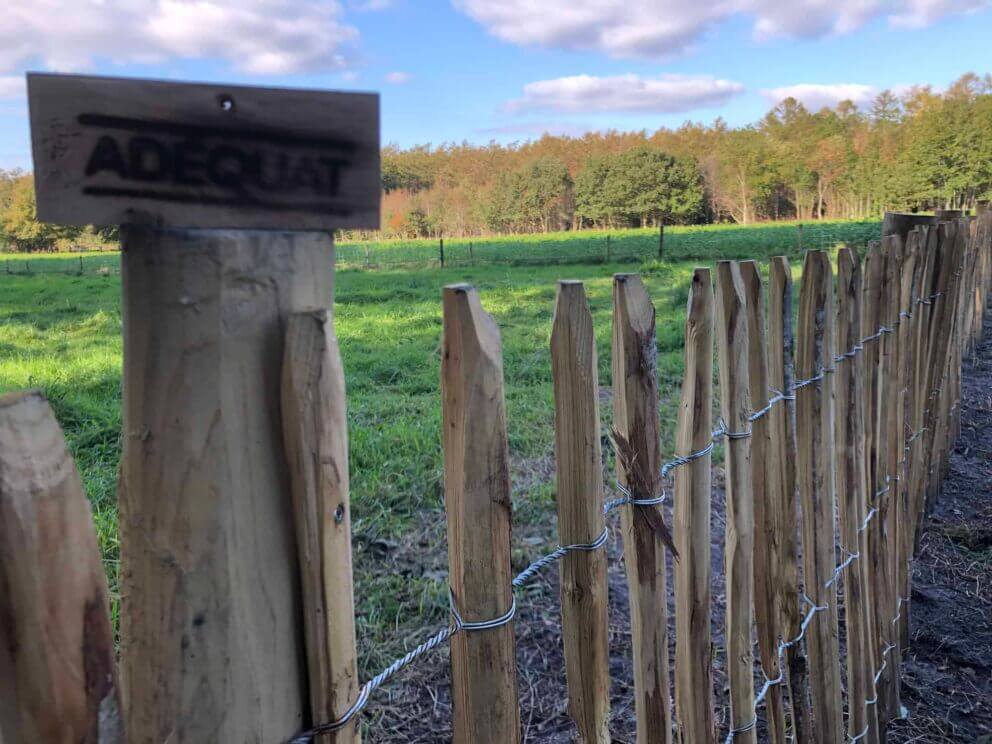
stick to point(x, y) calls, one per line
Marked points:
point(815, 436)
point(735, 405)
point(694, 704)
point(782, 494)
point(485, 709)
point(579, 471)
point(766, 524)
point(58, 671)
point(850, 481)
point(315, 429)
point(635, 418)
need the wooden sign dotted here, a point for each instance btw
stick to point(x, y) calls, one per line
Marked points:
point(124, 151)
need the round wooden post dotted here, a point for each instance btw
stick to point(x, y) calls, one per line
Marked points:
point(211, 627)
point(58, 674)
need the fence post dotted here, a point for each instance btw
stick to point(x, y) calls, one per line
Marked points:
point(783, 504)
point(766, 563)
point(477, 502)
point(661, 241)
point(815, 437)
point(635, 418)
point(208, 550)
point(872, 318)
point(849, 398)
point(579, 471)
point(440, 246)
point(693, 644)
point(58, 671)
point(315, 429)
point(732, 350)
point(799, 239)
point(607, 249)
point(368, 256)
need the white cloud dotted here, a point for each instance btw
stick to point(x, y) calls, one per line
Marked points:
point(12, 86)
point(398, 77)
point(663, 28)
point(625, 93)
point(816, 96)
point(364, 6)
point(254, 36)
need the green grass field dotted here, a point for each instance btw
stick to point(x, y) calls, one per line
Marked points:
point(62, 333)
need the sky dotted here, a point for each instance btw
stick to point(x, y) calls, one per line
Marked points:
point(506, 70)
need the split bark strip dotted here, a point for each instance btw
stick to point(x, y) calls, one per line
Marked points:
point(815, 430)
point(693, 643)
point(635, 417)
point(315, 428)
point(782, 496)
point(477, 501)
point(579, 469)
point(766, 563)
point(211, 636)
point(58, 673)
point(735, 406)
point(871, 319)
point(849, 399)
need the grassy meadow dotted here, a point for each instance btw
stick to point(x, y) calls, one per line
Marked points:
point(62, 333)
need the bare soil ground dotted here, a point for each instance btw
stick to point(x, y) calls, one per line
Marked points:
point(947, 672)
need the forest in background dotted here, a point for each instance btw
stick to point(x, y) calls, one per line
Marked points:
point(919, 150)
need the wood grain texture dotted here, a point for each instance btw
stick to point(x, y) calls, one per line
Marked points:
point(635, 417)
point(694, 704)
point(782, 494)
point(579, 471)
point(766, 524)
point(58, 674)
point(477, 502)
point(901, 223)
point(735, 406)
point(815, 438)
point(211, 631)
point(315, 430)
point(850, 481)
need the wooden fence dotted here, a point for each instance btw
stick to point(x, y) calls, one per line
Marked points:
point(836, 425)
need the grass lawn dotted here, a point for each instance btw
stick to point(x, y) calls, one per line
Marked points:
point(62, 334)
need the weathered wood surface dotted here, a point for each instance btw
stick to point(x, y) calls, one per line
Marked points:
point(815, 438)
point(58, 673)
point(901, 223)
point(782, 494)
point(315, 429)
point(732, 352)
point(694, 704)
point(579, 472)
point(635, 418)
point(477, 502)
point(766, 523)
point(126, 151)
point(212, 642)
point(850, 480)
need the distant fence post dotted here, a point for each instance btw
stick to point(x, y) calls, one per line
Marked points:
point(635, 418)
point(782, 495)
point(607, 249)
point(815, 433)
point(694, 716)
point(58, 670)
point(766, 561)
point(732, 350)
point(440, 248)
point(579, 471)
point(661, 241)
point(799, 239)
point(477, 502)
point(315, 430)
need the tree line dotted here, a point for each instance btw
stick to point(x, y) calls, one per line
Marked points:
point(920, 150)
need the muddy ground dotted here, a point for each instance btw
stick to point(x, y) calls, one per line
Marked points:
point(947, 672)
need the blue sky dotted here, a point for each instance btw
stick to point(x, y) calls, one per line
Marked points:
point(476, 70)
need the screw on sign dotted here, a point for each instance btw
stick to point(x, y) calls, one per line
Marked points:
point(233, 391)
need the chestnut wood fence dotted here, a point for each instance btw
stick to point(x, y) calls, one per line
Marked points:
point(836, 424)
